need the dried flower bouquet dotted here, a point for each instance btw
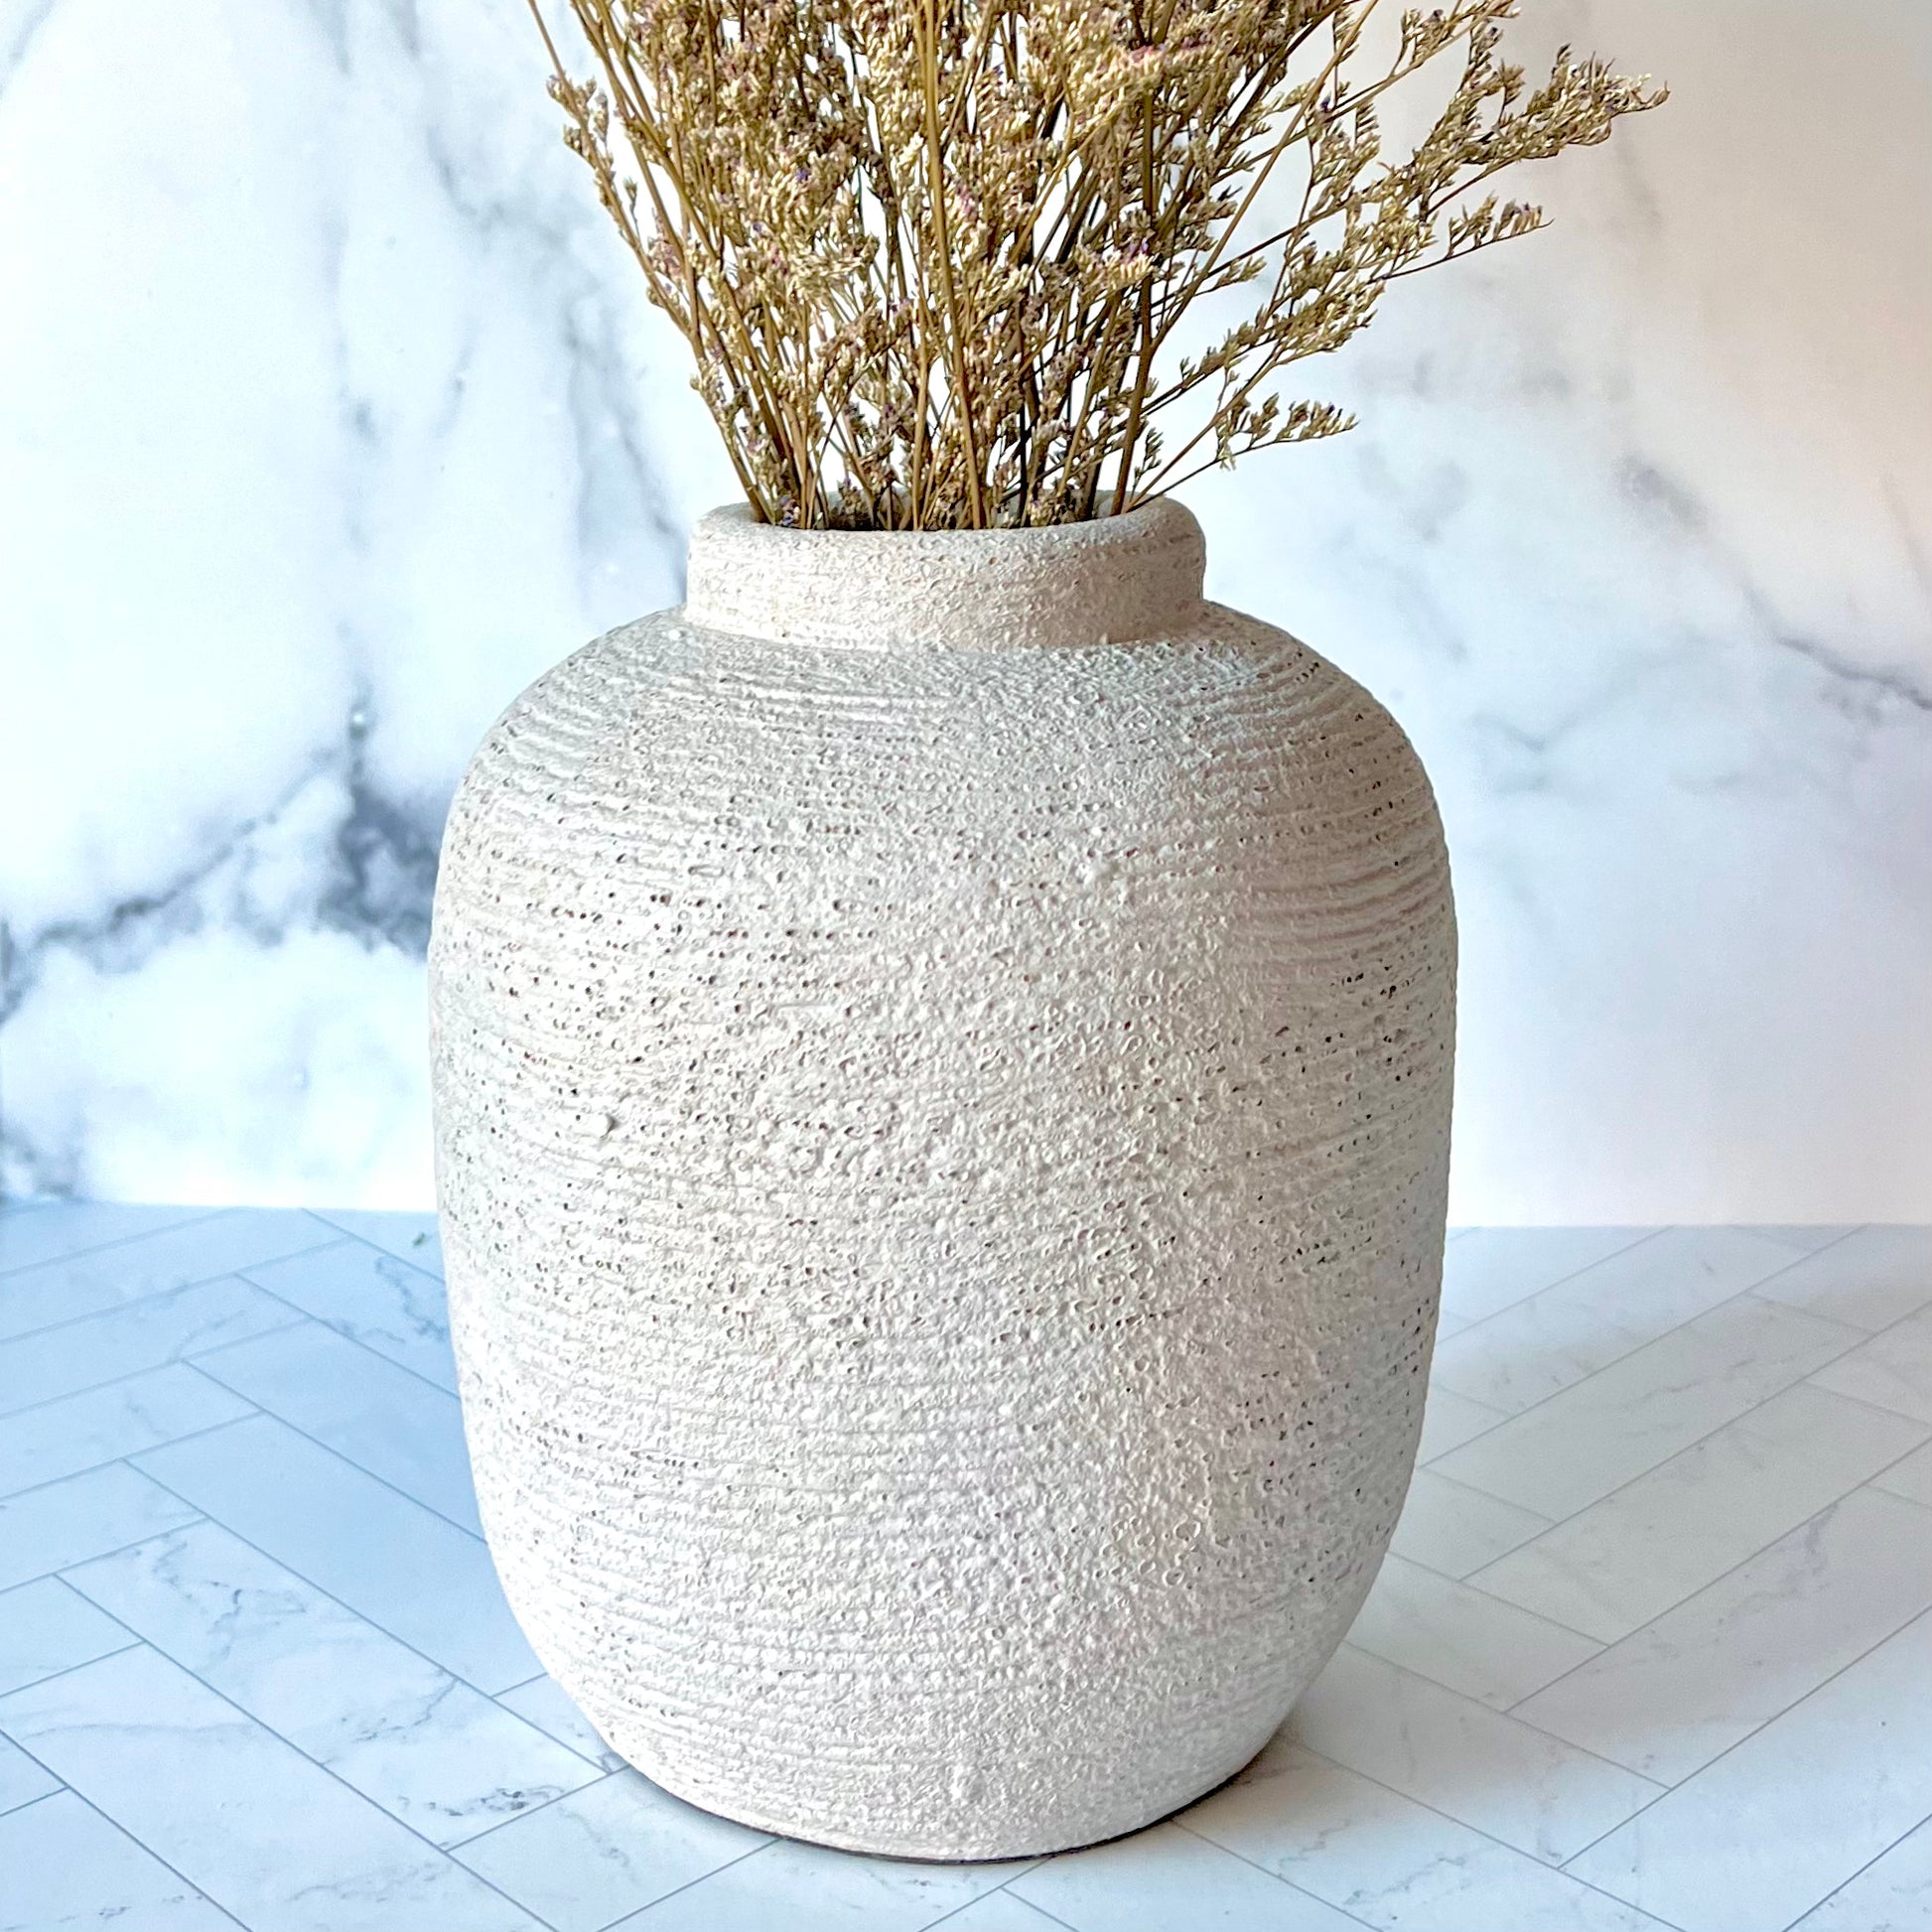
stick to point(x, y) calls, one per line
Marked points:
point(933, 254)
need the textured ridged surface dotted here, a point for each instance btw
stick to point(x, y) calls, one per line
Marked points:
point(942, 1155)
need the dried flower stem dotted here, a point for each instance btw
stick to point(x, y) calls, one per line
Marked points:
point(932, 255)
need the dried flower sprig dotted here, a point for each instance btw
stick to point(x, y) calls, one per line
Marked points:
point(933, 254)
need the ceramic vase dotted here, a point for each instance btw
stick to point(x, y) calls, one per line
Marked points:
point(943, 1052)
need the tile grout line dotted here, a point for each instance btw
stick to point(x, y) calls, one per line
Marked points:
point(108, 1461)
point(1672, 1609)
point(602, 1777)
point(1450, 1577)
point(1630, 1247)
point(133, 1642)
point(651, 1904)
point(1562, 1522)
point(190, 1220)
point(1680, 1227)
point(60, 1584)
point(82, 1798)
point(1655, 1235)
point(91, 1388)
point(171, 1287)
point(1860, 1339)
point(1005, 1885)
point(1803, 1381)
point(315, 1442)
point(137, 1641)
point(1052, 1917)
point(119, 1550)
point(341, 1455)
point(1865, 1402)
point(112, 1382)
point(322, 1322)
point(1483, 1495)
point(498, 1696)
point(1738, 1745)
point(1501, 1603)
point(348, 1610)
point(1866, 1334)
point(249, 1716)
point(25, 1804)
point(1860, 1873)
point(1489, 1710)
point(1300, 1891)
point(1876, 1407)
point(1513, 1710)
point(1430, 1463)
point(1898, 1496)
point(323, 1216)
point(1422, 1804)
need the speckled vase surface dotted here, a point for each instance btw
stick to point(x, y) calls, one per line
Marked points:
point(942, 1056)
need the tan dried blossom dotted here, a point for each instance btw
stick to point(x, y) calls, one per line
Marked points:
point(933, 254)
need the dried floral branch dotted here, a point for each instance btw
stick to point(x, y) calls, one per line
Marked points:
point(932, 255)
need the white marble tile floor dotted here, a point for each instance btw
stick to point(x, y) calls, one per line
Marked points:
point(1653, 1652)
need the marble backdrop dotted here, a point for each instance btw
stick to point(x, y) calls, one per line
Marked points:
point(331, 414)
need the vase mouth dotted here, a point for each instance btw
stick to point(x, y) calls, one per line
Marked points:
point(1107, 581)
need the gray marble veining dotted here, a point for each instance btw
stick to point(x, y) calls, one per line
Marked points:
point(337, 414)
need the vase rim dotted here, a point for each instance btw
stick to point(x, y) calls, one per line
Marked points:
point(1103, 580)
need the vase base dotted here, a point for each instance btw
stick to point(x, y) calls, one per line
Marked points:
point(965, 1848)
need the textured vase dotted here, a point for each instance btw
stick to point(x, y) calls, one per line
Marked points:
point(943, 1057)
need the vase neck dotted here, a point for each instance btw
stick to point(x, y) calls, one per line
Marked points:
point(1064, 584)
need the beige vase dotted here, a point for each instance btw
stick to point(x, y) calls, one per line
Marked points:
point(942, 1061)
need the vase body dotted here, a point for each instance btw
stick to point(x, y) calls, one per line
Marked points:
point(942, 1056)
